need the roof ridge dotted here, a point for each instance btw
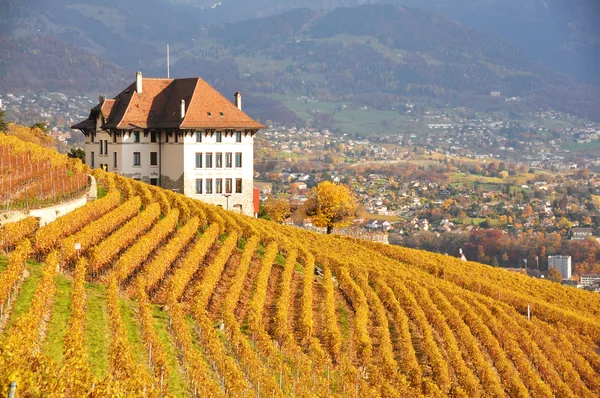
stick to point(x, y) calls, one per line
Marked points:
point(188, 106)
point(128, 104)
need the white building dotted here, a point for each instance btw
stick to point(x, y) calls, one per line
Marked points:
point(562, 264)
point(589, 279)
point(180, 134)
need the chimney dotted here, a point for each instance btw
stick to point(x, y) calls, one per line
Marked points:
point(182, 109)
point(138, 82)
point(238, 100)
point(100, 99)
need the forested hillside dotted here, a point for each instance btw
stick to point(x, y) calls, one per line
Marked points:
point(169, 295)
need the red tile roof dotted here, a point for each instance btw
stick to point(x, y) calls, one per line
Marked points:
point(159, 106)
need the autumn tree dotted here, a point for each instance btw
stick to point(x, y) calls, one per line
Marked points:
point(277, 208)
point(554, 275)
point(331, 205)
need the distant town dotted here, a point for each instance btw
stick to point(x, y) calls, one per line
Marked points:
point(458, 173)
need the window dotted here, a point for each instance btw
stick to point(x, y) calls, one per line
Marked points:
point(137, 159)
point(114, 138)
point(153, 136)
point(238, 185)
point(154, 181)
point(101, 148)
point(219, 185)
point(92, 138)
point(238, 159)
point(208, 161)
point(219, 137)
point(176, 138)
point(228, 159)
point(238, 136)
point(136, 136)
point(92, 159)
point(209, 185)
point(153, 158)
point(198, 186)
point(106, 147)
point(114, 160)
point(167, 137)
point(198, 160)
point(228, 185)
point(198, 136)
point(219, 160)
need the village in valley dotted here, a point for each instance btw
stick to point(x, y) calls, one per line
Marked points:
point(437, 185)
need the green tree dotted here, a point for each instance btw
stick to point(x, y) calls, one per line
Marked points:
point(42, 126)
point(3, 124)
point(331, 205)
point(77, 153)
point(495, 262)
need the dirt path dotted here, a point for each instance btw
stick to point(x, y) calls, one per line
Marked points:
point(296, 306)
point(317, 306)
point(271, 298)
point(242, 306)
point(214, 304)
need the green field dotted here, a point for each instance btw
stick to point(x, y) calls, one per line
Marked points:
point(352, 121)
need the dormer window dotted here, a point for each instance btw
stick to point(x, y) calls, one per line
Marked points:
point(209, 114)
point(221, 113)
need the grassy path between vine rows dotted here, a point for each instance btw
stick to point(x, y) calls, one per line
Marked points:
point(96, 329)
point(175, 381)
point(23, 301)
point(59, 321)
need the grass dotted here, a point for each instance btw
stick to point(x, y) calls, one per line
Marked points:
point(380, 217)
point(23, 302)
point(101, 192)
point(59, 322)
point(133, 330)
point(469, 221)
point(364, 121)
point(175, 380)
point(96, 329)
point(344, 322)
point(586, 147)
point(280, 260)
point(3, 263)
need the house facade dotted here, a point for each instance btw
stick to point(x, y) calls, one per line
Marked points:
point(179, 134)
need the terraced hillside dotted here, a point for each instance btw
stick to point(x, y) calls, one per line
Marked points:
point(168, 296)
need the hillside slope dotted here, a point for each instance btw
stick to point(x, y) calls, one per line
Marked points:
point(171, 295)
point(43, 64)
point(385, 50)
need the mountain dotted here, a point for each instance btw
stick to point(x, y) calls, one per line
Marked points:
point(125, 32)
point(561, 33)
point(47, 64)
point(376, 55)
point(372, 52)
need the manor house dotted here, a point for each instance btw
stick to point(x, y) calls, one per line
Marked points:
point(179, 134)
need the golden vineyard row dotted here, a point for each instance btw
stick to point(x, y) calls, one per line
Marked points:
point(248, 315)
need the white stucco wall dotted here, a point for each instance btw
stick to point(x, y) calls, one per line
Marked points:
point(177, 164)
point(209, 144)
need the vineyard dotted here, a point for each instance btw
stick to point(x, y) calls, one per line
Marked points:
point(168, 296)
point(32, 176)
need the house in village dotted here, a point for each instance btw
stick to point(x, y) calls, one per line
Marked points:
point(179, 134)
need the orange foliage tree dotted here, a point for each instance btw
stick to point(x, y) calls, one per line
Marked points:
point(331, 205)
